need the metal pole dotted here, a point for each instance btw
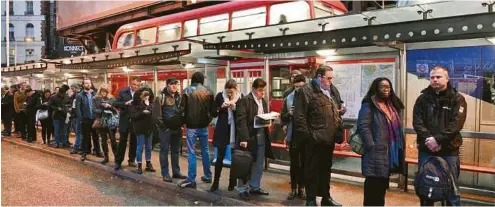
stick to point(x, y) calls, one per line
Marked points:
point(128, 78)
point(206, 76)
point(7, 31)
point(403, 96)
point(266, 77)
point(105, 77)
point(15, 52)
point(155, 80)
point(227, 71)
point(54, 83)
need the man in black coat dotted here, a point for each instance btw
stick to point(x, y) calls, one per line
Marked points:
point(438, 117)
point(125, 127)
point(256, 140)
point(7, 112)
point(316, 118)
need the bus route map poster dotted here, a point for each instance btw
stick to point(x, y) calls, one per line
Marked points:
point(354, 77)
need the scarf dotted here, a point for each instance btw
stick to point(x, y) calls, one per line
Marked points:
point(395, 136)
point(231, 110)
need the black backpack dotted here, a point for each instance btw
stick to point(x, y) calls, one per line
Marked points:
point(434, 181)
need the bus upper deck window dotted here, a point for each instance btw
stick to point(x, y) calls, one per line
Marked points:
point(322, 10)
point(213, 24)
point(191, 28)
point(169, 32)
point(126, 40)
point(289, 12)
point(146, 36)
point(249, 18)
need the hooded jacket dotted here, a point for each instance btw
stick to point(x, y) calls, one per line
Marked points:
point(441, 116)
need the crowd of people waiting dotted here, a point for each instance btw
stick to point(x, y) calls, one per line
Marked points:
point(311, 118)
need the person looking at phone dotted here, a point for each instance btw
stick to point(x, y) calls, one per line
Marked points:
point(293, 143)
point(142, 120)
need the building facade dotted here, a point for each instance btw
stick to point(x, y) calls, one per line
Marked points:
point(25, 26)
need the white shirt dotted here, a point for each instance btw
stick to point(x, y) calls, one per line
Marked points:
point(132, 93)
point(260, 104)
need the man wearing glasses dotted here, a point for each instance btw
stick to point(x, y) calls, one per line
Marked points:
point(316, 119)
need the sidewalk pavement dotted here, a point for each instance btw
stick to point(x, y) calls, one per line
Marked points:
point(276, 183)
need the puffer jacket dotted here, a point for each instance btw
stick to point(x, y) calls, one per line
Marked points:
point(372, 127)
point(198, 103)
point(60, 106)
point(441, 116)
point(315, 116)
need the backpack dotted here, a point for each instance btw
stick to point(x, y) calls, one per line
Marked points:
point(175, 121)
point(434, 181)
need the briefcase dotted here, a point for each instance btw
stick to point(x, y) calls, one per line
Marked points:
point(241, 164)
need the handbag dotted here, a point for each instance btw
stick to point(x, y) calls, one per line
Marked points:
point(356, 141)
point(41, 115)
point(241, 164)
point(96, 124)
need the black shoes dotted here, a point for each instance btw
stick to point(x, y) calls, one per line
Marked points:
point(259, 192)
point(117, 167)
point(140, 168)
point(83, 157)
point(179, 176)
point(105, 160)
point(231, 185)
point(149, 167)
point(214, 187)
point(205, 179)
point(329, 202)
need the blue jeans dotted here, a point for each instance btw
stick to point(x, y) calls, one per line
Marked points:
point(170, 139)
point(256, 168)
point(192, 135)
point(142, 142)
point(60, 132)
point(454, 165)
point(76, 126)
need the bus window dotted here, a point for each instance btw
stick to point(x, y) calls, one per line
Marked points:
point(213, 24)
point(289, 12)
point(126, 40)
point(280, 81)
point(146, 36)
point(322, 10)
point(169, 32)
point(191, 28)
point(249, 18)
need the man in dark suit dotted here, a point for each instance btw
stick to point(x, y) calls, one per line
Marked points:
point(256, 140)
point(125, 127)
point(7, 112)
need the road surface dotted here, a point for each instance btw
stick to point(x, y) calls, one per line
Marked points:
point(31, 177)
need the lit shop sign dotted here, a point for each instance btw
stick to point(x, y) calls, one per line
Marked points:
point(73, 48)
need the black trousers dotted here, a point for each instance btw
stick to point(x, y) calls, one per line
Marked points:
point(7, 123)
point(46, 129)
point(105, 134)
point(86, 131)
point(219, 165)
point(31, 125)
point(123, 146)
point(297, 160)
point(21, 124)
point(318, 162)
point(374, 191)
point(16, 122)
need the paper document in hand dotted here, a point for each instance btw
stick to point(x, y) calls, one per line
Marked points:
point(265, 120)
point(269, 116)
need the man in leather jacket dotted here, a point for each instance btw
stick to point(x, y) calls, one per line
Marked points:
point(168, 116)
point(198, 103)
point(438, 117)
point(316, 118)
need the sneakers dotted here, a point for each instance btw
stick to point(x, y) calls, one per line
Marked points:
point(187, 184)
point(205, 179)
